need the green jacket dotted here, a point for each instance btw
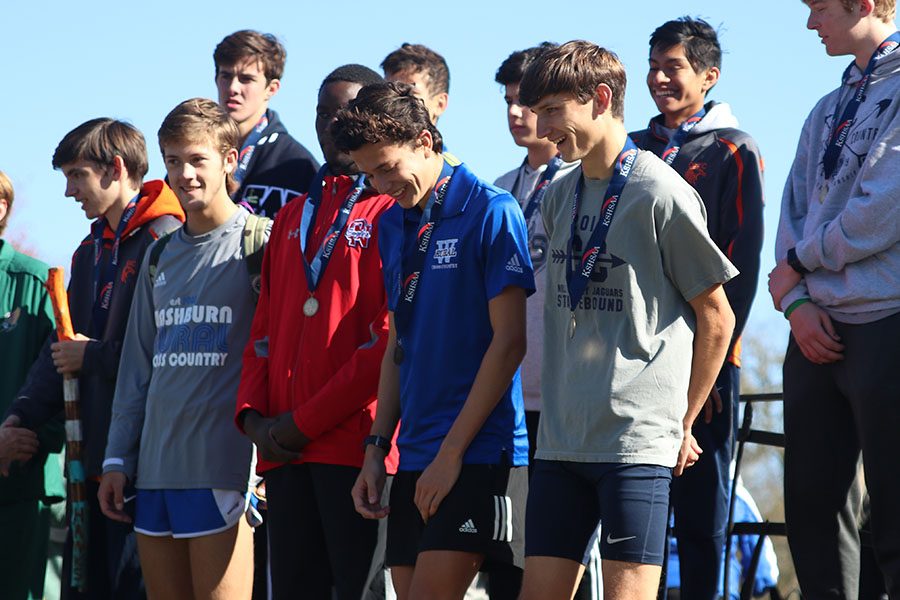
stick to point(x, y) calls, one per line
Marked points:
point(26, 319)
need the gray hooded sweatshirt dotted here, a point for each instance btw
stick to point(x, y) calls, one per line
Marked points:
point(173, 413)
point(846, 230)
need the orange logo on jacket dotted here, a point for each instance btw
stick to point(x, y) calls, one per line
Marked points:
point(128, 270)
point(694, 172)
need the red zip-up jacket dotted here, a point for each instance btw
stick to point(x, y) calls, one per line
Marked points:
point(323, 368)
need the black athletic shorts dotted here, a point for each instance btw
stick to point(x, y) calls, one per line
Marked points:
point(484, 513)
point(568, 499)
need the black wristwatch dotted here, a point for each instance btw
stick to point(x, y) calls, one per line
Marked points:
point(795, 263)
point(379, 442)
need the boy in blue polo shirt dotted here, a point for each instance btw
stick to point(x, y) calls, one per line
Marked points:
point(457, 272)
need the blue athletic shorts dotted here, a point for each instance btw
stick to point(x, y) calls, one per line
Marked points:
point(566, 501)
point(187, 513)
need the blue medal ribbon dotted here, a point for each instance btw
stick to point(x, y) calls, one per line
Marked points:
point(577, 280)
point(674, 146)
point(105, 278)
point(246, 153)
point(537, 196)
point(841, 127)
point(414, 258)
point(315, 268)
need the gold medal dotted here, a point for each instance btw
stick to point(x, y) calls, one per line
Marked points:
point(310, 307)
point(572, 325)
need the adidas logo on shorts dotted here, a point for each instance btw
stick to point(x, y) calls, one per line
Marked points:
point(514, 264)
point(468, 527)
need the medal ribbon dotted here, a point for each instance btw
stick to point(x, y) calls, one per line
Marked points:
point(315, 268)
point(841, 127)
point(246, 153)
point(413, 262)
point(680, 135)
point(105, 278)
point(577, 281)
point(537, 196)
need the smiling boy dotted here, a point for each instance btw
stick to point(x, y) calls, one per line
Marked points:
point(457, 272)
point(700, 140)
point(172, 434)
point(635, 326)
point(838, 253)
point(272, 166)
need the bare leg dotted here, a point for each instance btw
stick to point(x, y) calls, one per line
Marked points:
point(550, 577)
point(402, 577)
point(630, 581)
point(166, 565)
point(443, 574)
point(222, 564)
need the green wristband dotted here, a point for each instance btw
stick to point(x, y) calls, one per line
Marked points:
point(794, 305)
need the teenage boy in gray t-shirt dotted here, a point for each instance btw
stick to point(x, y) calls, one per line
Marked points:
point(636, 325)
point(172, 432)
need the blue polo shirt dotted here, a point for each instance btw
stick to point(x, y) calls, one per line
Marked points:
point(479, 248)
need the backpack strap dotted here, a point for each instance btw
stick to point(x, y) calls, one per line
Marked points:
point(156, 251)
point(253, 245)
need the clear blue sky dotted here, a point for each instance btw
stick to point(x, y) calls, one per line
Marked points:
point(64, 63)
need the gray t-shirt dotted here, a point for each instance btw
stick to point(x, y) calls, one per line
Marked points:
point(521, 183)
point(173, 413)
point(617, 391)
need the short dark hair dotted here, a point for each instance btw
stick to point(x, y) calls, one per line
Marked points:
point(99, 141)
point(576, 68)
point(513, 68)
point(201, 120)
point(699, 39)
point(383, 112)
point(248, 44)
point(420, 59)
point(352, 73)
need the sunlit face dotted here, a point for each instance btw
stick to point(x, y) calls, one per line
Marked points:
point(677, 89)
point(835, 25)
point(521, 121)
point(244, 92)
point(421, 83)
point(568, 123)
point(197, 173)
point(399, 170)
point(333, 97)
point(92, 185)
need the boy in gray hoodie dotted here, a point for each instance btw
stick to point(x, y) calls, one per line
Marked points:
point(172, 432)
point(837, 281)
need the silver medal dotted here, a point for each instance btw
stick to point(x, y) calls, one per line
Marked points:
point(572, 327)
point(310, 307)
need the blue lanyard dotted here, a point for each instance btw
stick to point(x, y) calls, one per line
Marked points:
point(841, 127)
point(105, 278)
point(315, 268)
point(577, 281)
point(413, 261)
point(248, 147)
point(537, 196)
point(680, 135)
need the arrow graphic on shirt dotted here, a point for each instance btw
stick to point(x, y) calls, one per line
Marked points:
point(559, 256)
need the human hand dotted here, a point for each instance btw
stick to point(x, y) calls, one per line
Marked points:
point(286, 434)
point(688, 454)
point(112, 496)
point(17, 444)
point(713, 401)
point(815, 335)
point(436, 482)
point(257, 428)
point(782, 279)
point(68, 356)
point(369, 485)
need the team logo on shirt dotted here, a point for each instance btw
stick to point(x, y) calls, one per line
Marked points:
point(10, 320)
point(445, 253)
point(257, 195)
point(694, 172)
point(358, 233)
point(128, 270)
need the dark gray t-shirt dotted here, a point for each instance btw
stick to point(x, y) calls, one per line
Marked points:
point(173, 414)
point(617, 391)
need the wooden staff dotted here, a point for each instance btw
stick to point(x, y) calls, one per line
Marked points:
point(76, 492)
